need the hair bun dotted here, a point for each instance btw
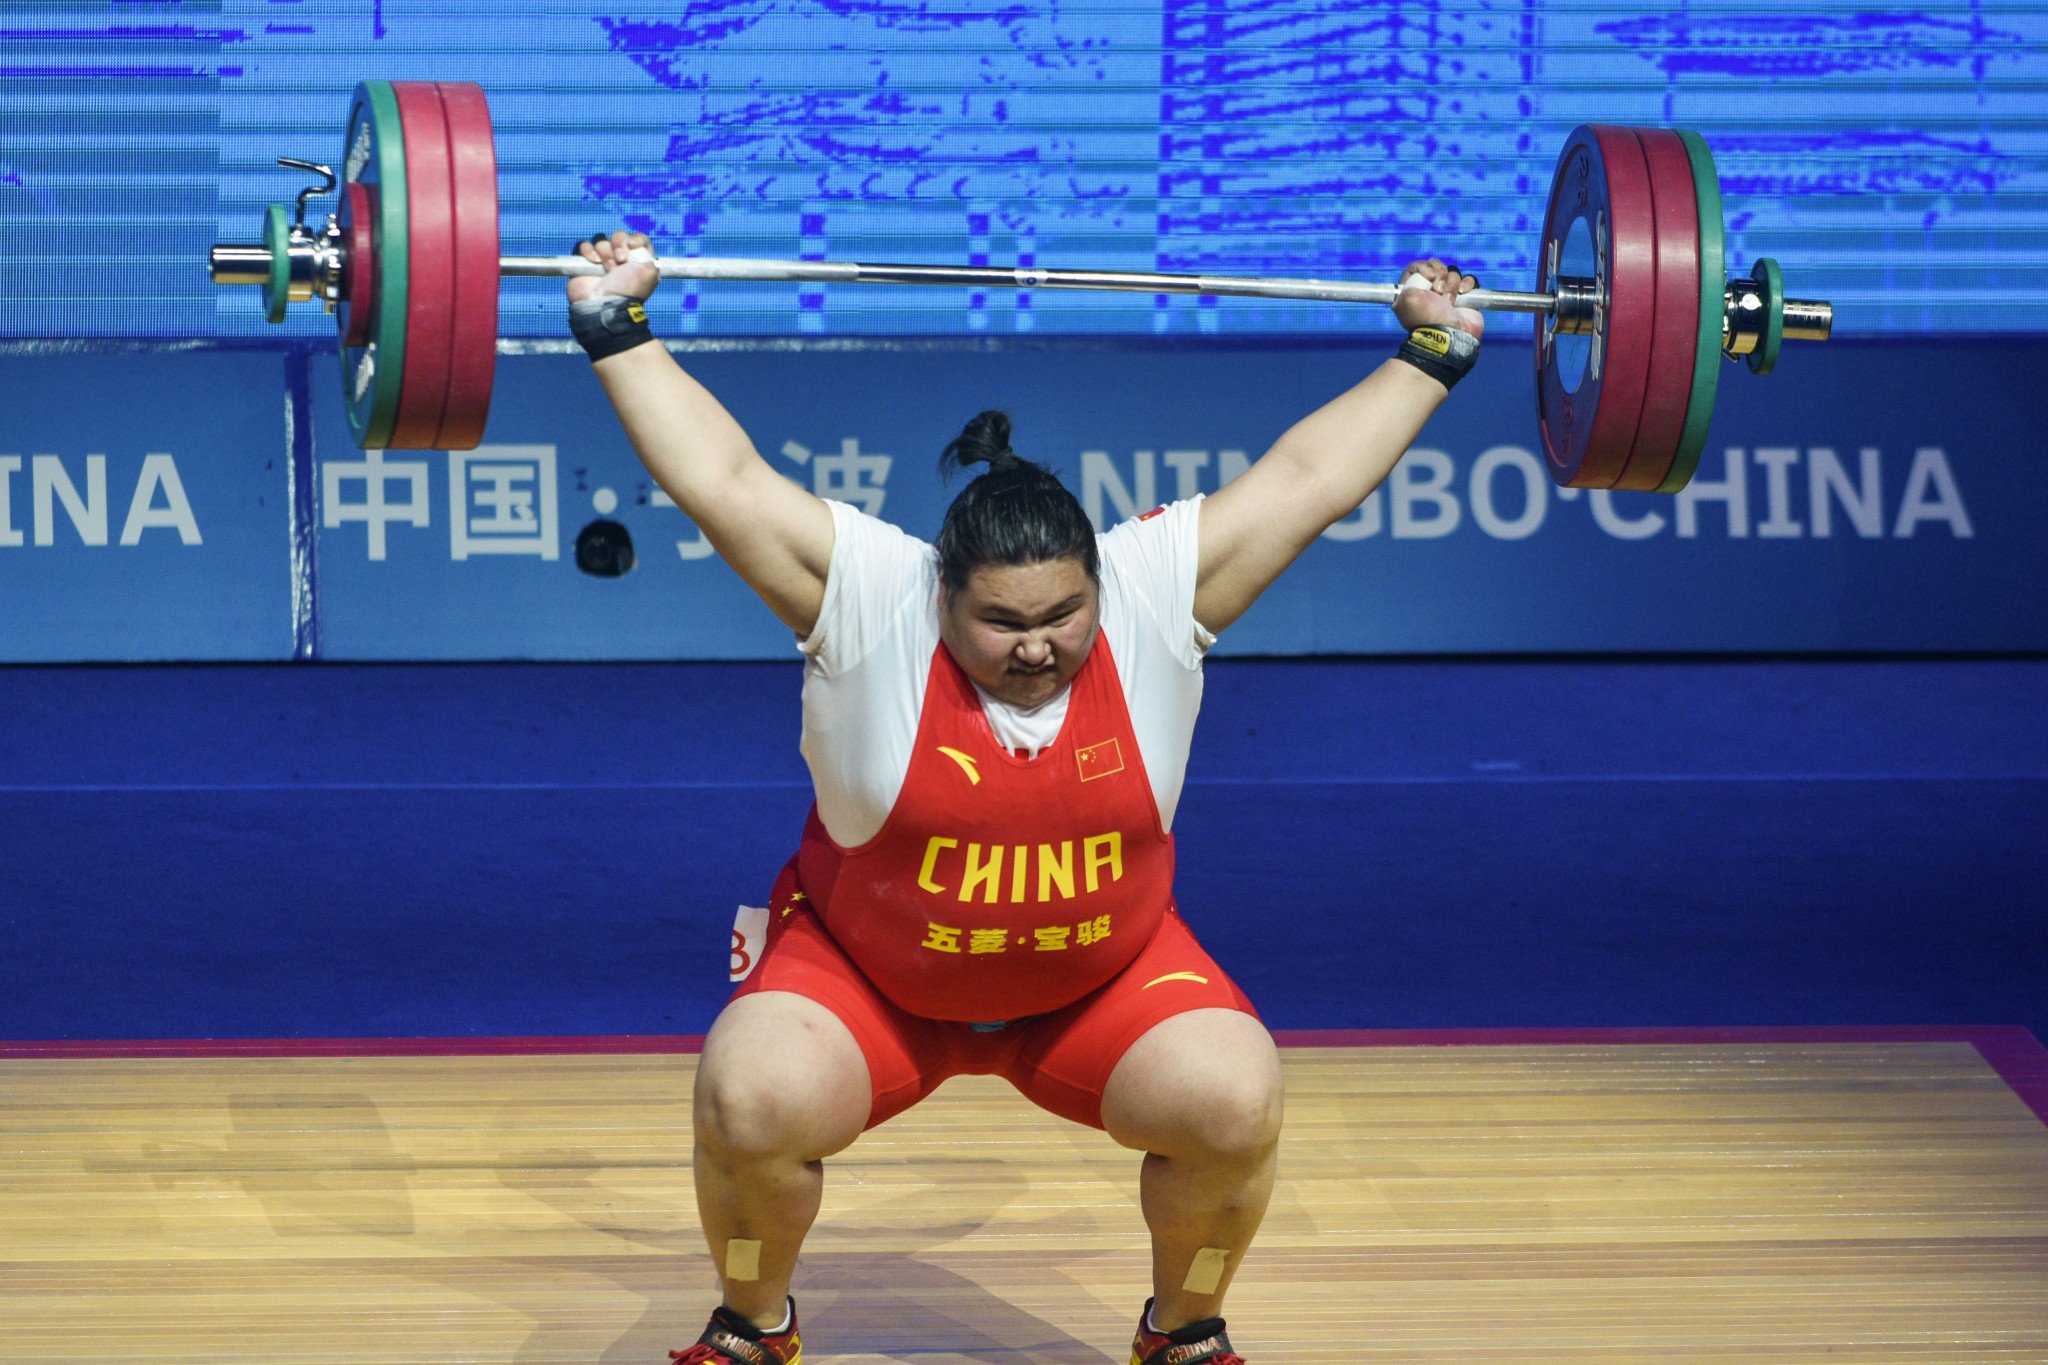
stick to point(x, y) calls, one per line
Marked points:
point(1018, 512)
point(985, 440)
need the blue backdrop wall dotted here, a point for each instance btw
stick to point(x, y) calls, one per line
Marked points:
point(398, 849)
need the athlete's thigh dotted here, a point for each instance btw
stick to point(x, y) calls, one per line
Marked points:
point(1067, 1064)
point(905, 1056)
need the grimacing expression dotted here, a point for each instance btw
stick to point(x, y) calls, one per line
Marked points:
point(1022, 630)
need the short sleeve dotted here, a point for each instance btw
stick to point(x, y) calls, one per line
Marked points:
point(1155, 558)
point(878, 571)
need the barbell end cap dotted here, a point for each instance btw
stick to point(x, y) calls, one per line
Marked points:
point(1809, 320)
point(239, 263)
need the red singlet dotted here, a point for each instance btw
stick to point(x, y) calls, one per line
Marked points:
point(1001, 887)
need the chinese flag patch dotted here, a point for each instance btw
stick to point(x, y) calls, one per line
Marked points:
point(1099, 760)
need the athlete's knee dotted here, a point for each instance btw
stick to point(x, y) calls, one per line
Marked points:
point(1206, 1089)
point(780, 1080)
point(752, 1118)
point(1235, 1113)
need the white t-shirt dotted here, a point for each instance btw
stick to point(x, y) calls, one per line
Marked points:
point(868, 658)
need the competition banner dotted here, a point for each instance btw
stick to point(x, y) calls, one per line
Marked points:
point(146, 508)
point(1869, 497)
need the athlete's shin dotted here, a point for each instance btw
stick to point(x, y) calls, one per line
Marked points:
point(780, 1086)
point(756, 1213)
point(1202, 1095)
point(1203, 1215)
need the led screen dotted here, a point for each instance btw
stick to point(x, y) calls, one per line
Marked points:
point(1893, 160)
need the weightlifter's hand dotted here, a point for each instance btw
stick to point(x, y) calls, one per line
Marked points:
point(628, 259)
point(1433, 302)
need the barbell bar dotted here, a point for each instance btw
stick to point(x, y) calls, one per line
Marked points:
point(1572, 302)
point(324, 269)
point(413, 245)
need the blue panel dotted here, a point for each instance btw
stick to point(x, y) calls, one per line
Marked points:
point(144, 508)
point(1896, 159)
point(1840, 505)
point(509, 849)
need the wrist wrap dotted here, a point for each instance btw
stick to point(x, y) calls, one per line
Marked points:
point(1445, 354)
point(608, 324)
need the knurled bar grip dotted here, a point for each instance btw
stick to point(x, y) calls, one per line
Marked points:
point(992, 277)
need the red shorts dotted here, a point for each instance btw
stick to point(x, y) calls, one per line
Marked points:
point(1061, 1061)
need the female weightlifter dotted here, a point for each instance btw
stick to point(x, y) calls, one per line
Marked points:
point(997, 728)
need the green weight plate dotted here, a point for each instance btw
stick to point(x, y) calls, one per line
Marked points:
point(1706, 360)
point(277, 236)
point(1765, 357)
point(374, 154)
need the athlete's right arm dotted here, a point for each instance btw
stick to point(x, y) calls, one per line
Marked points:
point(775, 535)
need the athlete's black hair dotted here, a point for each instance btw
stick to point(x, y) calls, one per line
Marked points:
point(1016, 513)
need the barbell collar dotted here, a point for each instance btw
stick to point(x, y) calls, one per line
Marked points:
point(1744, 318)
point(1804, 320)
point(317, 261)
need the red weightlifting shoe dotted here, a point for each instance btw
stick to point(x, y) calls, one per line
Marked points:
point(1198, 1343)
point(730, 1339)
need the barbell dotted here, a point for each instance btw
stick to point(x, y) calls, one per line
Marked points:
point(1632, 302)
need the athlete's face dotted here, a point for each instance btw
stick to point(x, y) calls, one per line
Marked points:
point(1021, 630)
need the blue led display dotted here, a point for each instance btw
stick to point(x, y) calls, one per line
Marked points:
point(1894, 160)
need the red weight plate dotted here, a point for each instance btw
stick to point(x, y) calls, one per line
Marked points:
point(1677, 310)
point(430, 293)
point(474, 359)
point(358, 217)
point(1588, 433)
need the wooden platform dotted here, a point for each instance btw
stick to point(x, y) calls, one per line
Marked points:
point(1867, 1200)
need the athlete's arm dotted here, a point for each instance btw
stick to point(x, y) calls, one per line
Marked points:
point(775, 535)
point(1325, 465)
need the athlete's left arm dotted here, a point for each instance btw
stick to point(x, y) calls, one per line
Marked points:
point(1325, 465)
